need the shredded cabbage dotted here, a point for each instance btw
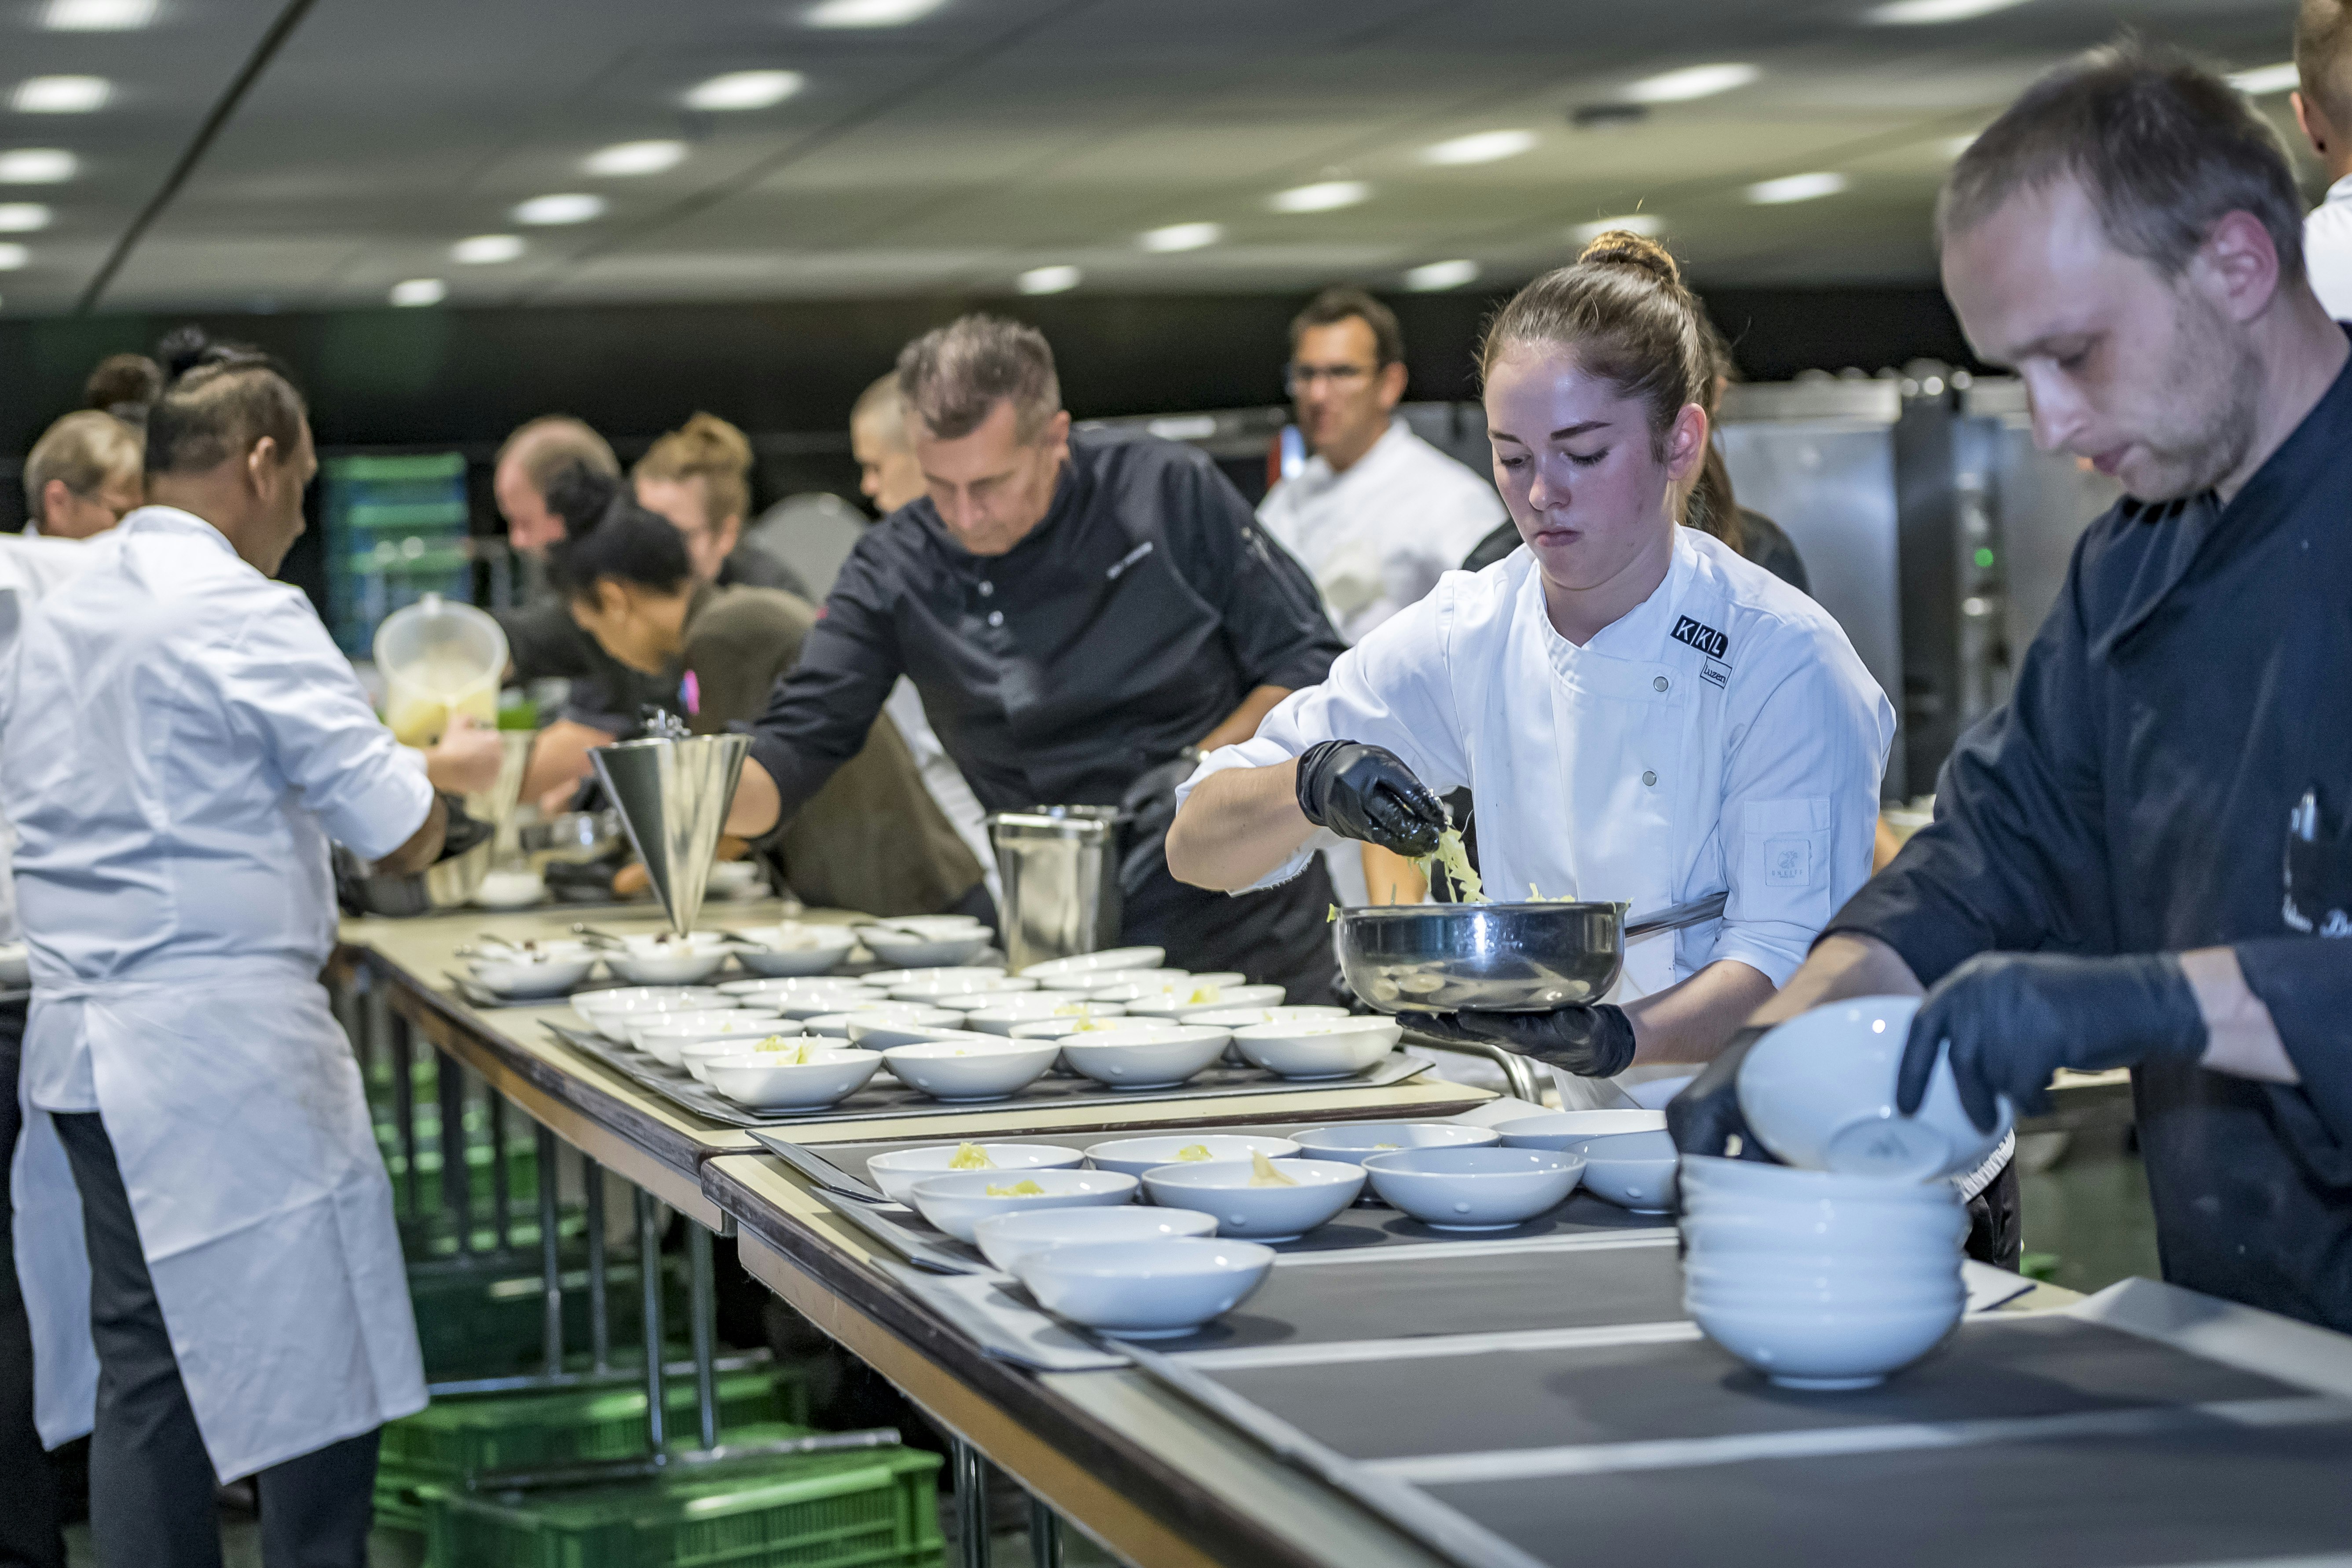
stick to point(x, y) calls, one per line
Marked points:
point(1264, 1175)
point(1021, 1189)
point(971, 1157)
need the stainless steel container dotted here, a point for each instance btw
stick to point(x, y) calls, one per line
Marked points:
point(1496, 958)
point(1059, 865)
point(673, 796)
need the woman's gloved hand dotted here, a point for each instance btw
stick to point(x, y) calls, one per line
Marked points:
point(1367, 793)
point(1590, 1042)
point(1705, 1118)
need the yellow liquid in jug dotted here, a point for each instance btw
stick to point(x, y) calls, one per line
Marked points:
point(422, 700)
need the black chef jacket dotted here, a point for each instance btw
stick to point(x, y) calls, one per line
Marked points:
point(2193, 681)
point(1124, 628)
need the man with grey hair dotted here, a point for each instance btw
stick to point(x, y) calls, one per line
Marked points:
point(2323, 107)
point(1081, 611)
point(2144, 859)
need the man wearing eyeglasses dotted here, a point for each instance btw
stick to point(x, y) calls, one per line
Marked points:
point(1376, 514)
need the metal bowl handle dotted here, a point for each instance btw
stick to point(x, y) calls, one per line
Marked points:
point(1679, 916)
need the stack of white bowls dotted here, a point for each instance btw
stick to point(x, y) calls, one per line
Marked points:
point(1842, 1265)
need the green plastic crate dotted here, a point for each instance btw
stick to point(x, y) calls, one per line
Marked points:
point(869, 1509)
point(483, 1317)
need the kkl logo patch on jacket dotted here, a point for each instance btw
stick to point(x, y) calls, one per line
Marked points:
point(1706, 639)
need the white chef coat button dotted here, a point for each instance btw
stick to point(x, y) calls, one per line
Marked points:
point(1660, 683)
point(1649, 778)
point(996, 617)
point(986, 589)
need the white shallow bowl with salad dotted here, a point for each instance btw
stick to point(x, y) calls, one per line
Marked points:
point(760, 1080)
point(1258, 1199)
point(959, 1200)
point(1137, 1156)
point(1316, 1047)
point(1008, 1237)
point(1155, 1289)
point(790, 949)
point(896, 1171)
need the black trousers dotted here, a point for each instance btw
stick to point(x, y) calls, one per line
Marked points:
point(29, 1517)
point(1996, 1233)
point(1281, 936)
point(151, 1487)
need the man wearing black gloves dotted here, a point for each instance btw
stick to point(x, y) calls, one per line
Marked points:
point(2142, 861)
point(1077, 609)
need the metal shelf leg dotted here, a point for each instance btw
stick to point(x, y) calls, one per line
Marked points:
point(551, 1267)
point(649, 1284)
point(972, 1503)
point(600, 1312)
point(703, 1306)
point(1044, 1535)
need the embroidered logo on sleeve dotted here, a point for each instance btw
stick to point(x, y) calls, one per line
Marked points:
point(1706, 639)
point(1789, 862)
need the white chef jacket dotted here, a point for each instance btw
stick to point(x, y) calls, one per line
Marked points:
point(1378, 536)
point(2327, 249)
point(1721, 737)
point(944, 781)
point(178, 738)
point(31, 566)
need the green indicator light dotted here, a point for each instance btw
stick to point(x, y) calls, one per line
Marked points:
point(1984, 555)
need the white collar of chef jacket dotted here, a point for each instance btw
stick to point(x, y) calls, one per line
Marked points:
point(1639, 636)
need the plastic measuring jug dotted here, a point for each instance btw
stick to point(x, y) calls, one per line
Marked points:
point(438, 658)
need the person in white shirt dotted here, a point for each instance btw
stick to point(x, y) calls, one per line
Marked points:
point(1639, 714)
point(82, 477)
point(203, 1225)
point(1376, 514)
point(2323, 107)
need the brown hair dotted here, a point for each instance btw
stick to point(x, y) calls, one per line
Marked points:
point(82, 450)
point(952, 377)
point(552, 443)
point(1335, 305)
point(1622, 307)
point(709, 448)
point(123, 385)
point(222, 399)
point(2322, 57)
point(881, 402)
point(2163, 148)
point(1711, 507)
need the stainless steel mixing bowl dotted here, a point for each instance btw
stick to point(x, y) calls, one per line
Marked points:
point(1494, 958)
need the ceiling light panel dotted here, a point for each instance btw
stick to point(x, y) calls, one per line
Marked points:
point(1691, 82)
point(569, 206)
point(37, 166)
point(1058, 279)
point(487, 249)
point(628, 158)
point(868, 13)
point(744, 89)
point(14, 258)
point(1649, 226)
point(1482, 147)
point(97, 15)
point(419, 291)
point(2263, 80)
point(1438, 275)
point(1797, 189)
point(1181, 237)
point(1929, 13)
point(60, 94)
point(1325, 196)
point(23, 218)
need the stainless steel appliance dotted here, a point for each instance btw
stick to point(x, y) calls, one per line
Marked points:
point(1059, 865)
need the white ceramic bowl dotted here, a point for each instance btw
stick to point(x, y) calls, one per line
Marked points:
point(1007, 1238)
point(666, 1041)
point(697, 1055)
point(1108, 960)
point(799, 985)
point(1819, 1091)
point(973, 1067)
point(1137, 1156)
point(1222, 1187)
point(1476, 1187)
point(934, 925)
point(515, 888)
point(1198, 994)
point(978, 985)
point(735, 880)
point(1134, 985)
point(959, 1200)
point(883, 979)
point(1836, 1349)
point(1243, 1017)
point(1633, 1170)
point(1145, 1289)
point(825, 1004)
point(1147, 1057)
point(1654, 1095)
point(1320, 1048)
point(1109, 1016)
point(1560, 1129)
point(608, 1012)
point(829, 1078)
point(912, 949)
point(1355, 1142)
point(879, 1029)
point(1706, 1176)
point(792, 949)
point(673, 961)
point(1038, 1007)
point(637, 1027)
point(548, 972)
point(1749, 1280)
point(897, 1172)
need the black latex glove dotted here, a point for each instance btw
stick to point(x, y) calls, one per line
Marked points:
point(1367, 793)
point(2012, 1020)
point(1149, 810)
point(1705, 1118)
point(463, 832)
point(1590, 1042)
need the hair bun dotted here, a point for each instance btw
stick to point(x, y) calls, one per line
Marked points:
point(181, 350)
point(1624, 247)
point(584, 498)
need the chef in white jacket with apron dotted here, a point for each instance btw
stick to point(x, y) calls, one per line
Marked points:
point(1639, 714)
point(203, 1228)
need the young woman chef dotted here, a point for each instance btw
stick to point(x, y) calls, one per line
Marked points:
point(1639, 713)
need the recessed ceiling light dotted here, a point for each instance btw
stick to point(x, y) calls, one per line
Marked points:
point(97, 15)
point(13, 257)
point(1927, 13)
point(1436, 276)
point(420, 291)
point(571, 207)
point(1321, 197)
point(744, 89)
point(2263, 80)
point(487, 249)
point(60, 94)
point(1690, 82)
point(1482, 147)
point(23, 218)
point(635, 158)
point(1181, 237)
point(1649, 226)
point(1797, 189)
point(35, 166)
point(868, 13)
point(1048, 279)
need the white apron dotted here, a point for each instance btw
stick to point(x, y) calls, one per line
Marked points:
point(237, 1114)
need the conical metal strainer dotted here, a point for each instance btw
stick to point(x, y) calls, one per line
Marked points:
point(673, 796)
